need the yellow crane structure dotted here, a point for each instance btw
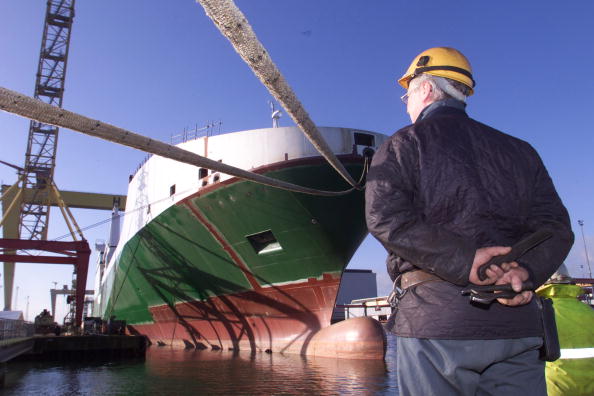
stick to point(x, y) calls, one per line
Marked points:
point(26, 204)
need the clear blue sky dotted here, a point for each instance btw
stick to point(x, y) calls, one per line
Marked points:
point(156, 67)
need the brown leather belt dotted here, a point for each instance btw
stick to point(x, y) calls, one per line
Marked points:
point(412, 278)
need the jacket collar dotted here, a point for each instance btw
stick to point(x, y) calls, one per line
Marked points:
point(448, 105)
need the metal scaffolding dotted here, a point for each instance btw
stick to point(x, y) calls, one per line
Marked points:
point(42, 143)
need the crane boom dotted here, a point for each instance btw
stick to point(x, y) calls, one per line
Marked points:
point(40, 159)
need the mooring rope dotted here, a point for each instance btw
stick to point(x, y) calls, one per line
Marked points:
point(34, 109)
point(167, 198)
point(233, 24)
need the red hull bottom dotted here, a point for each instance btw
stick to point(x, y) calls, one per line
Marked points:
point(292, 318)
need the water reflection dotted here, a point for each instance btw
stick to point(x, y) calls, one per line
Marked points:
point(192, 372)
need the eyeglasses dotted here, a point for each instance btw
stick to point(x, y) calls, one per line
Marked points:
point(404, 98)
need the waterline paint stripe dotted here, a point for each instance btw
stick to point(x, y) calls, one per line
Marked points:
point(577, 353)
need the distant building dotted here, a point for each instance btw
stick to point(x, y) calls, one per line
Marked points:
point(355, 284)
point(12, 325)
point(11, 315)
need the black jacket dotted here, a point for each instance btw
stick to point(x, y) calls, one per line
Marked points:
point(441, 188)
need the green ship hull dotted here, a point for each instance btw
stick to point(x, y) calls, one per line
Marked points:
point(241, 265)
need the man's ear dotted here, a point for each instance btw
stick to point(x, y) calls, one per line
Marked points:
point(426, 89)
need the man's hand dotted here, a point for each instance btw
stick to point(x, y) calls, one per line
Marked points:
point(508, 273)
point(494, 273)
point(515, 276)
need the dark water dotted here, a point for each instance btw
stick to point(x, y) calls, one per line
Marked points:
point(190, 372)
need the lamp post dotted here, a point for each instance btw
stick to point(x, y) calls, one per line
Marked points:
point(581, 223)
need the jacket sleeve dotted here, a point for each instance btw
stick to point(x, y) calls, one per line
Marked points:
point(395, 217)
point(547, 212)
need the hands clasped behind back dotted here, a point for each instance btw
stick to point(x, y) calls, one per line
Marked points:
point(508, 273)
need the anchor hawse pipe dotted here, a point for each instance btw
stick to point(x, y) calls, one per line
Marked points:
point(34, 109)
point(234, 25)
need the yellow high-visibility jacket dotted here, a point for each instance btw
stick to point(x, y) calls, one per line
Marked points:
point(573, 373)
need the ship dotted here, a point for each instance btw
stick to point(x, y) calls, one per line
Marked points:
point(207, 260)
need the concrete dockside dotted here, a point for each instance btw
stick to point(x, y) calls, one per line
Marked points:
point(11, 348)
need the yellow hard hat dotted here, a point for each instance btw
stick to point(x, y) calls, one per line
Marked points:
point(442, 62)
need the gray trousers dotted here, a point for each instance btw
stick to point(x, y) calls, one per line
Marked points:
point(506, 367)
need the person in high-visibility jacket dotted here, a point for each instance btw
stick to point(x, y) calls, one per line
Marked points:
point(573, 373)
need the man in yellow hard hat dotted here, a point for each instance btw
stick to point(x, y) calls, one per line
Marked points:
point(444, 195)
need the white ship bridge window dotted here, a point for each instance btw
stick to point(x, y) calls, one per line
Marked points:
point(172, 190)
point(264, 242)
point(202, 173)
point(364, 139)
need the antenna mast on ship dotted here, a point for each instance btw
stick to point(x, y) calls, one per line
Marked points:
point(276, 114)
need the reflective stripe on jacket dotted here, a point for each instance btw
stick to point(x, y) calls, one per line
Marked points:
point(573, 374)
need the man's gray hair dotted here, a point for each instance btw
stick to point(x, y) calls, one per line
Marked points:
point(442, 87)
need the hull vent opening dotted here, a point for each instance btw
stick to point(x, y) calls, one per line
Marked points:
point(364, 139)
point(264, 242)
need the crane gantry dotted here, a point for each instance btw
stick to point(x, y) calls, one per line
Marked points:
point(35, 191)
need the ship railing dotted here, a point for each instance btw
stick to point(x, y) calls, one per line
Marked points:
point(210, 129)
point(379, 311)
point(144, 161)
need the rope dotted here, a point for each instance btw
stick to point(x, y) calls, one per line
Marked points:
point(86, 228)
point(126, 213)
point(25, 106)
point(233, 24)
